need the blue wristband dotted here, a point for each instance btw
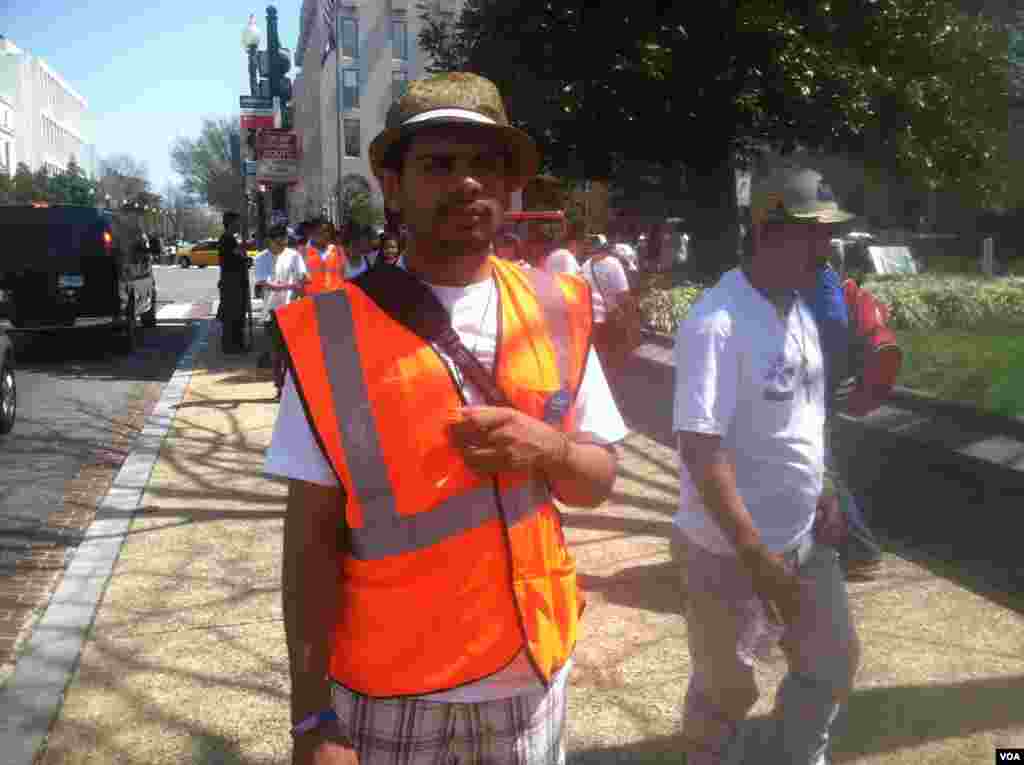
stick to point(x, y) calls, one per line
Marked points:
point(314, 721)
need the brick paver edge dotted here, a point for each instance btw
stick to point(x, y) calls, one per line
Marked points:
point(32, 697)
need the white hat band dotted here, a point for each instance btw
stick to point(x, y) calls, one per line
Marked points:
point(465, 114)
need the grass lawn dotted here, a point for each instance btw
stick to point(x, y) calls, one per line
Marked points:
point(985, 370)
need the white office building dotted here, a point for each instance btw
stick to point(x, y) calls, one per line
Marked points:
point(44, 122)
point(376, 53)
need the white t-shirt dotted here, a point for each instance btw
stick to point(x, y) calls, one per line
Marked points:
point(288, 267)
point(561, 261)
point(757, 381)
point(294, 452)
point(607, 279)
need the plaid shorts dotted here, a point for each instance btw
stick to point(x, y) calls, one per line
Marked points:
point(522, 730)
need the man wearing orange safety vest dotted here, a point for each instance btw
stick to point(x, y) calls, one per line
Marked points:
point(431, 603)
point(325, 264)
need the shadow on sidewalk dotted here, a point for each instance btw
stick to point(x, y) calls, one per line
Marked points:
point(644, 394)
point(878, 720)
point(225, 403)
point(664, 750)
point(654, 587)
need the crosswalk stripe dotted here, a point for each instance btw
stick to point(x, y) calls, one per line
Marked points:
point(200, 310)
point(174, 312)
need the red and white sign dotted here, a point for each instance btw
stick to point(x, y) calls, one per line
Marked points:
point(255, 119)
point(280, 145)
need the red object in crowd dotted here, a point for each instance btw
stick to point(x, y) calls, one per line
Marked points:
point(882, 357)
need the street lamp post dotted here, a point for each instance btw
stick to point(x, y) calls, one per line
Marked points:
point(251, 43)
point(276, 75)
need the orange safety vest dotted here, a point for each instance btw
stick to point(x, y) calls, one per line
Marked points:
point(326, 274)
point(447, 574)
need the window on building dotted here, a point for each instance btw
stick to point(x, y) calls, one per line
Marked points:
point(352, 141)
point(350, 88)
point(349, 36)
point(399, 83)
point(400, 39)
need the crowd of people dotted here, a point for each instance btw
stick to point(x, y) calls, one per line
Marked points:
point(306, 259)
point(438, 392)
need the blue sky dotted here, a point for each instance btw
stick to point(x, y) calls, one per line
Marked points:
point(150, 71)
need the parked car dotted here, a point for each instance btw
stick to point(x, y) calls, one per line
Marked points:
point(207, 253)
point(8, 388)
point(201, 254)
point(65, 266)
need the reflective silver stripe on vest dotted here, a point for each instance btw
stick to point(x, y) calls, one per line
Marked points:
point(393, 535)
point(359, 438)
point(556, 315)
point(384, 531)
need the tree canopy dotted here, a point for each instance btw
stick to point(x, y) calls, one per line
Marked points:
point(916, 86)
point(205, 164)
point(71, 187)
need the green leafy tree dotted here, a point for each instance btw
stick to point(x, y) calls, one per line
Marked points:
point(913, 86)
point(205, 164)
point(72, 186)
point(42, 186)
point(359, 207)
point(23, 186)
point(6, 189)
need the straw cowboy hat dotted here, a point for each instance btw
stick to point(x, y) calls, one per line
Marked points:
point(455, 98)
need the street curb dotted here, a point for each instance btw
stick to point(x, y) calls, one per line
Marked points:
point(33, 696)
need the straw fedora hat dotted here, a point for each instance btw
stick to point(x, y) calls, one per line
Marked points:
point(455, 98)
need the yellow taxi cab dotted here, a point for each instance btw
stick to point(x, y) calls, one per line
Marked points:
point(206, 253)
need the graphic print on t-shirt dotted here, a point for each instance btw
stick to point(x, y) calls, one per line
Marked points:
point(780, 379)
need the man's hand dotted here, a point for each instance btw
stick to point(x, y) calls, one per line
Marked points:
point(323, 747)
point(495, 439)
point(829, 523)
point(775, 583)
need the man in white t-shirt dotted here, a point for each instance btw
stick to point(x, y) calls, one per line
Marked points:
point(280, 272)
point(447, 161)
point(561, 261)
point(608, 282)
point(757, 527)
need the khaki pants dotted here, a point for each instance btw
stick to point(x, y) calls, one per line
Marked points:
point(821, 648)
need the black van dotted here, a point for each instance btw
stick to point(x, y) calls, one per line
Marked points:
point(64, 266)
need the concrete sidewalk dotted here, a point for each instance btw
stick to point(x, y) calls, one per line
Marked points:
point(186, 660)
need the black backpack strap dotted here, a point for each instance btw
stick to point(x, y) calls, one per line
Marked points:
point(412, 304)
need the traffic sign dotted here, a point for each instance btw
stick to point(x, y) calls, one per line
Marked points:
point(277, 144)
point(255, 102)
point(254, 120)
point(277, 171)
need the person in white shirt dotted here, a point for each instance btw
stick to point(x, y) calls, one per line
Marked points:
point(757, 528)
point(561, 261)
point(280, 273)
point(606, 276)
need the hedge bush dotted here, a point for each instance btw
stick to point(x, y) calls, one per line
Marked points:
point(968, 265)
point(926, 301)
